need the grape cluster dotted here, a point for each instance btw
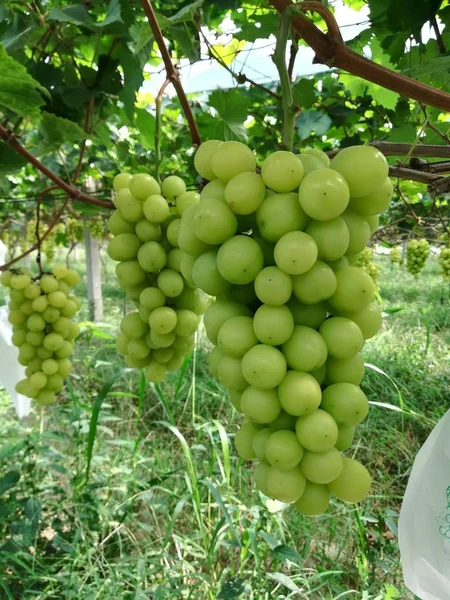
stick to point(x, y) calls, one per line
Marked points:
point(444, 262)
point(291, 316)
point(396, 255)
point(48, 245)
point(152, 272)
point(417, 253)
point(97, 227)
point(41, 311)
point(364, 261)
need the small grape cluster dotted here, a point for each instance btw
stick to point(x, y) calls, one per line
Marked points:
point(396, 256)
point(41, 311)
point(48, 245)
point(444, 262)
point(364, 261)
point(151, 271)
point(97, 227)
point(291, 316)
point(417, 253)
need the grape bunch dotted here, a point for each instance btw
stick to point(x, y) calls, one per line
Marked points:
point(444, 262)
point(152, 272)
point(364, 261)
point(417, 253)
point(41, 310)
point(97, 227)
point(291, 315)
point(396, 256)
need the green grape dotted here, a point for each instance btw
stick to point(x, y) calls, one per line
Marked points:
point(375, 202)
point(187, 322)
point(172, 232)
point(342, 337)
point(173, 186)
point(261, 472)
point(319, 374)
point(213, 190)
point(132, 326)
point(368, 319)
point(19, 281)
point(219, 312)
point(142, 186)
point(280, 214)
point(355, 290)
point(130, 272)
point(364, 167)
point(282, 171)
point(260, 441)
point(283, 421)
point(236, 336)
point(240, 259)
point(43, 353)
point(19, 337)
point(230, 373)
point(122, 342)
point(345, 438)
point(374, 221)
point(316, 285)
point(206, 275)
point(72, 278)
point(27, 352)
point(186, 265)
point(353, 483)
point(345, 370)
point(32, 290)
point(163, 320)
point(134, 291)
point(16, 317)
point(309, 315)
point(155, 372)
point(295, 252)
point(260, 406)
point(346, 403)
point(144, 313)
point(213, 222)
point(273, 325)
point(163, 355)
point(359, 232)
point(285, 486)
point(243, 441)
point(186, 200)
point(35, 323)
point(202, 158)
point(233, 395)
point(45, 397)
point(317, 431)
point(191, 300)
point(273, 286)
point(35, 338)
point(57, 299)
point(245, 294)
point(299, 393)
point(314, 500)
point(283, 450)
point(264, 367)
point(332, 238)
point(162, 340)
point(152, 297)
point(148, 232)
point(244, 193)
point(170, 283)
point(64, 367)
point(130, 208)
point(137, 348)
point(231, 158)
point(120, 181)
point(324, 194)
point(185, 344)
point(152, 257)
point(137, 363)
point(187, 240)
point(124, 246)
point(305, 350)
point(322, 467)
point(6, 277)
point(322, 156)
point(156, 209)
point(53, 341)
point(310, 163)
point(55, 383)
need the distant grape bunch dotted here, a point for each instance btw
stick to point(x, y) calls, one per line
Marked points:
point(417, 253)
point(364, 260)
point(291, 316)
point(444, 262)
point(41, 311)
point(396, 255)
point(151, 271)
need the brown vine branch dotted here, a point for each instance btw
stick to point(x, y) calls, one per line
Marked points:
point(47, 233)
point(332, 51)
point(11, 139)
point(423, 150)
point(171, 71)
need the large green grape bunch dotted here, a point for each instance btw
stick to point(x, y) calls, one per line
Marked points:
point(417, 253)
point(152, 272)
point(396, 255)
point(291, 316)
point(41, 310)
point(364, 260)
point(444, 262)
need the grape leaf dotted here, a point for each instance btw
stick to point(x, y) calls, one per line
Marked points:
point(10, 161)
point(145, 123)
point(312, 121)
point(133, 78)
point(232, 109)
point(113, 15)
point(18, 90)
point(441, 63)
point(54, 131)
point(304, 92)
point(75, 13)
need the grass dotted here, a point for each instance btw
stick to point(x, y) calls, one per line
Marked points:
point(134, 491)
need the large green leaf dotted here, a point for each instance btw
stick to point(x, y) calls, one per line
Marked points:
point(133, 78)
point(55, 131)
point(19, 92)
point(437, 65)
point(312, 121)
point(304, 92)
point(145, 123)
point(75, 14)
point(232, 111)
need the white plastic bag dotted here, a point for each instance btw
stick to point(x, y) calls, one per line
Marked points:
point(424, 523)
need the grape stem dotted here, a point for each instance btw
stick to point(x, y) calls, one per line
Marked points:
point(331, 50)
point(10, 138)
point(171, 71)
point(279, 59)
point(158, 104)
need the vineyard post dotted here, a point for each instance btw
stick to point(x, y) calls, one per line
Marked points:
point(93, 275)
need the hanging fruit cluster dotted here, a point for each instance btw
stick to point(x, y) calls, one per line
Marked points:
point(364, 260)
point(161, 332)
point(396, 255)
point(291, 315)
point(444, 262)
point(417, 253)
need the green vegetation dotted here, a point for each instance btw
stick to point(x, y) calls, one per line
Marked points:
point(154, 502)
